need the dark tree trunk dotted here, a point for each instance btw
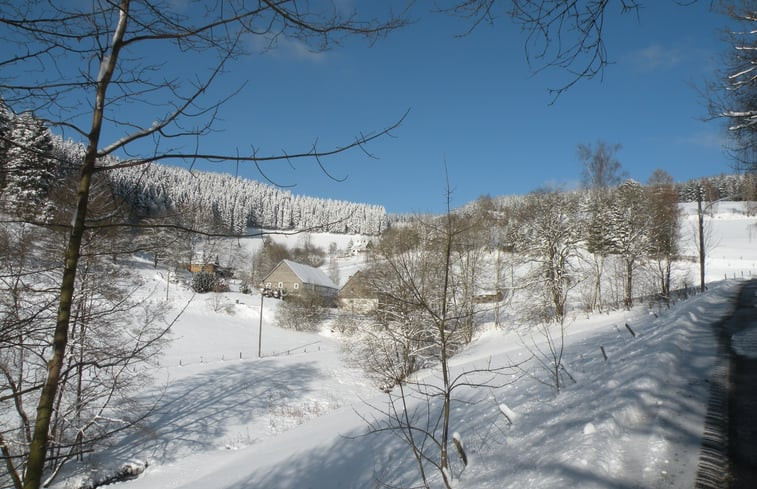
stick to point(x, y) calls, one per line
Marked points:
point(38, 447)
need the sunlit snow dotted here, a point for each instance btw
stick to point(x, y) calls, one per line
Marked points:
point(225, 419)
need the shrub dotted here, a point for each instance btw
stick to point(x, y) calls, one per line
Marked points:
point(220, 285)
point(303, 311)
point(203, 282)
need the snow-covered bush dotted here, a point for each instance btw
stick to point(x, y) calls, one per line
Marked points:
point(203, 282)
point(388, 353)
point(302, 312)
point(346, 323)
point(221, 285)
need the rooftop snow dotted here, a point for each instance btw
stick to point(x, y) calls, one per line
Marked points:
point(310, 275)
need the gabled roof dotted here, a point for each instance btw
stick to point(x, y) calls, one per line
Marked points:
point(352, 280)
point(310, 275)
point(357, 287)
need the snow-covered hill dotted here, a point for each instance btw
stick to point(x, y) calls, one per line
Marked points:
point(237, 203)
point(224, 418)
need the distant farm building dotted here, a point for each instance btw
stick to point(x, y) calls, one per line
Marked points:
point(357, 296)
point(489, 298)
point(289, 277)
point(360, 245)
point(199, 264)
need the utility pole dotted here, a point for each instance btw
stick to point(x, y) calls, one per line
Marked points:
point(260, 326)
point(703, 234)
point(700, 228)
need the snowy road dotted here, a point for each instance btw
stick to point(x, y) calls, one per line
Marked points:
point(741, 330)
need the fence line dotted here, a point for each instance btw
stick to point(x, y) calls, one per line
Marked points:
point(288, 352)
point(211, 359)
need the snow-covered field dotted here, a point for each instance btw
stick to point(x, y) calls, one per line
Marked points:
point(224, 418)
point(732, 250)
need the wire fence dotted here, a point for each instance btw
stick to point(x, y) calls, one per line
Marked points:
point(212, 358)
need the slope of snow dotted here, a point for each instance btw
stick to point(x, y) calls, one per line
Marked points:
point(731, 241)
point(296, 420)
point(224, 418)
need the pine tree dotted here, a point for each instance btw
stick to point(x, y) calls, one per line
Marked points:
point(29, 164)
point(630, 230)
point(5, 121)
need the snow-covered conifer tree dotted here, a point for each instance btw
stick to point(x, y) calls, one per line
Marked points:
point(630, 230)
point(5, 120)
point(29, 166)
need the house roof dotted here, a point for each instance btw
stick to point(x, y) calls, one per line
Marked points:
point(361, 244)
point(357, 287)
point(310, 275)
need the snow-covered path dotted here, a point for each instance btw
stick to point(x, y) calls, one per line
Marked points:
point(740, 336)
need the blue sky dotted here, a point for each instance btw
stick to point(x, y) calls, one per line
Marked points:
point(476, 106)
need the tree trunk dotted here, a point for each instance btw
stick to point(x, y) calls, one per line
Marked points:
point(442, 325)
point(557, 300)
point(702, 252)
point(666, 291)
point(38, 447)
point(629, 284)
point(599, 263)
point(8, 456)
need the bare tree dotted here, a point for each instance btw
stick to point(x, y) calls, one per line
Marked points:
point(88, 68)
point(600, 172)
point(264, 259)
point(469, 259)
point(398, 341)
point(548, 237)
point(333, 264)
point(500, 224)
point(601, 168)
point(427, 273)
point(405, 265)
point(112, 335)
point(665, 217)
point(308, 253)
point(733, 97)
point(705, 198)
point(567, 35)
point(545, 341)
point(25, 312)
point(749, 193)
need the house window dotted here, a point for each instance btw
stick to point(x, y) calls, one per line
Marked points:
point(281, 285)
point(296, 285)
